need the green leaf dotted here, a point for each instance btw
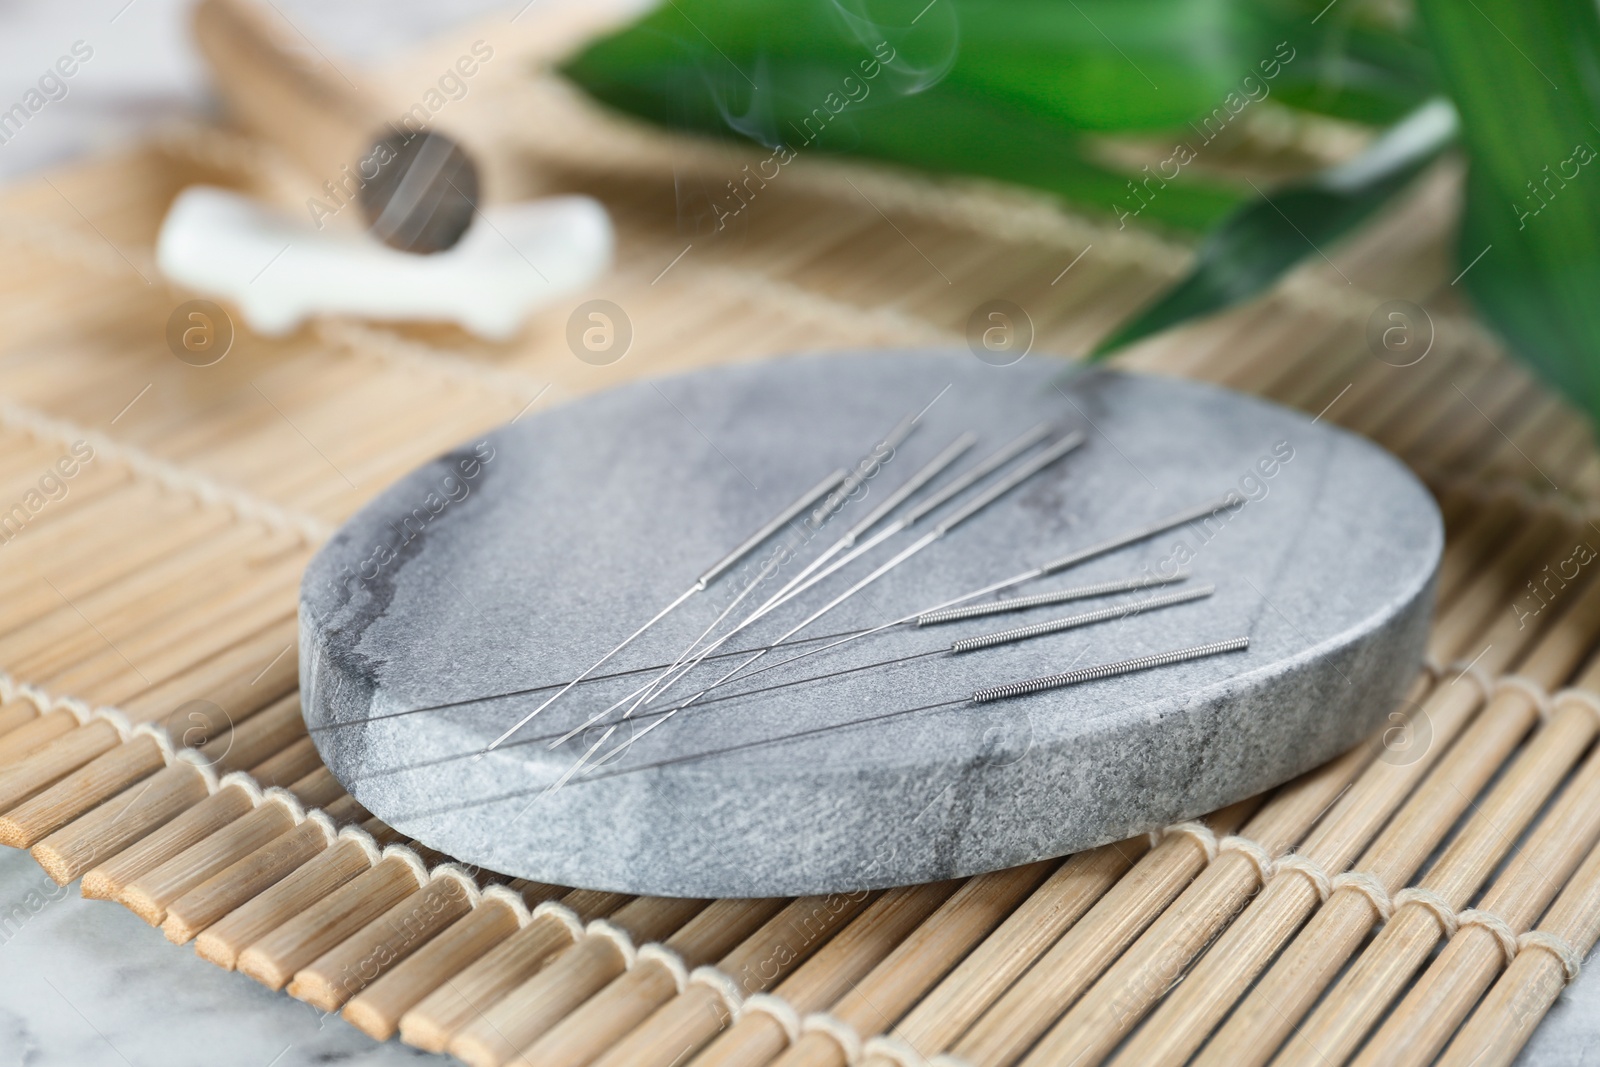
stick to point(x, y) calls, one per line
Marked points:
point(1263, 239)
point(980, 87)
point(1360, 73)
point(1526, 80)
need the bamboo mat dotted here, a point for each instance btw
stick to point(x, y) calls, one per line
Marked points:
point(1430, 892)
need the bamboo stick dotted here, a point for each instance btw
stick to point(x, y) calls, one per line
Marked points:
point(162, 651)
point(1043, 989)
point(259, 737)
point(1355, 1003)
point(233, 660)
point(148, 895)
point(15, 714)
point(759, 1035)
point(376, 1009)
point(1505, 395)
point(297, 760)
point(381, 832)
point(1403, 429)
point(1484, 528)
point(1108, 996)
point(114, 825)
point(124, 607)
point(120, 769)
point(1493, 591)
point(241, 881)
point(345, 969)
point(1419, 1027)
point(1264, 1018)
point(436, 1019)
point(917, 964)
point(318, 788)
point(346, 810)
point(79, 792)
point(34, 735)
point(107, 879)
point(1503, 1022)
point(957, 1001)
point(248, 676)
point(1547, 436)
point(659, 972)
point(37, 614)
point(79, 530)
point(54, 761)
point(525, 1011)
point(274, 958)
point(224, 941)
point(690, 1020)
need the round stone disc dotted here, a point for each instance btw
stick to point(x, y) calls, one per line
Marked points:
point(462, 598)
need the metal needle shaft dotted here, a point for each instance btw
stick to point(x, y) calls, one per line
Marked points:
point(1087, 618)
point(805, 580)
point(967, 511)
point(748, 545)
point(1072, 559)
point(856, 478)
point(839, 495)
point(1005, 485)
point(1054, 566)
point(969, 644)
point(794, 587)
point(1039, 600)
point(982, 696)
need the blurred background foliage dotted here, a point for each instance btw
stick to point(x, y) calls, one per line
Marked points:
point(1126, 108)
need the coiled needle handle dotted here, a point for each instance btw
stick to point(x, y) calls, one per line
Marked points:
point(1108, 670)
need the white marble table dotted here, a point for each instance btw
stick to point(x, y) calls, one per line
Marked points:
point(84, 983)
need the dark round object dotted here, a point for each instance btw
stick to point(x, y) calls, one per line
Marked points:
point(420, 190)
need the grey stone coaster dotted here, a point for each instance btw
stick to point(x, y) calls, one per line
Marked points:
point(515, 561)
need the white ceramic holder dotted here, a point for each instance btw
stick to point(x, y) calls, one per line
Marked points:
point(278, 271)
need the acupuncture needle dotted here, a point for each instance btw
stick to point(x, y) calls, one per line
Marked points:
point(1011, 604)
point(891, 441)
point(991, 640)
point(1027, 470)
point(929, 471)
point(1005, 485)
point(794, 586)
point(711, 574)
point(1054, 566)
point(949, 491)
point(957, 485)
point(971, 644)
point(980, 697)
point(895, 438)
point(532, 689)
point(987, 695)
point(836, 638)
